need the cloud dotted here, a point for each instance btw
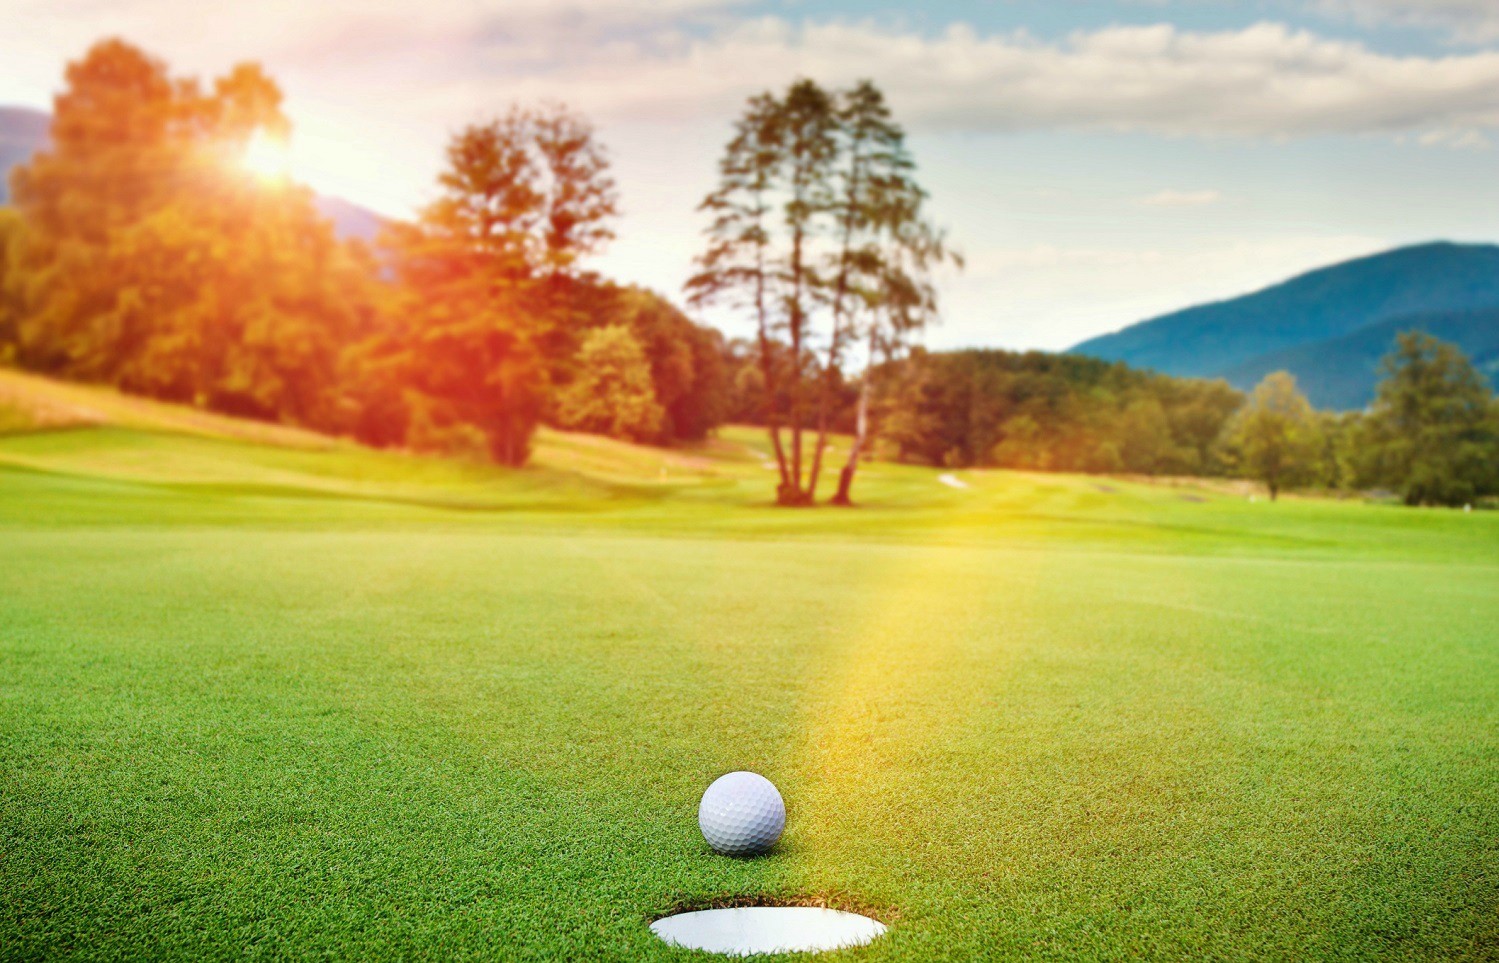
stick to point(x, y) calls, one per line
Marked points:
point(1468, 21)
point(694, 60)
point(1455, 139)
point(1170, 198)
point(1264, 81)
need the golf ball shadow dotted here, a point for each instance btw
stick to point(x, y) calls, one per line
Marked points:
point(741, 814)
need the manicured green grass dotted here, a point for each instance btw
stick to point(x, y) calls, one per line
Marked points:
point(271, 699)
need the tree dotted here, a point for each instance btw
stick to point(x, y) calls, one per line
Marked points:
point(1338, 468)
point(814, 193)
point(1144, 441)
point(1275, 437)
point(1046, 412)
point(10, 280)
point(613, 394)
point(809, 146)
point(686, 359)
point(486, 272)
point(881, 288)
point(119, 144)
point(738, 265)
point(152, 260)
point(1431, 434)
point(1197, 411)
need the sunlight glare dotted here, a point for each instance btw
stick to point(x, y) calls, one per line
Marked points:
point(267, 157)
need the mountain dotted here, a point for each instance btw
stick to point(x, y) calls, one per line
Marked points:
point(1341, 373)
point(23, 132)
point(349, 219)
point(1236, 338)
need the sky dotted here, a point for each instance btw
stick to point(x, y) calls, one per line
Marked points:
point(1097, 162)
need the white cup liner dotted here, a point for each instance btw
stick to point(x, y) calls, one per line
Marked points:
point(747, 930)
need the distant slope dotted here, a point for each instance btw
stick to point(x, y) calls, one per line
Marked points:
point(23, 132)
point(1225, 339)
point(1341, 373)
point(32, 403)
point(58, 426)
point(349, 219)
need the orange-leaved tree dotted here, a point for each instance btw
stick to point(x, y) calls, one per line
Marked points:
point(150, 258)
point(486, 275)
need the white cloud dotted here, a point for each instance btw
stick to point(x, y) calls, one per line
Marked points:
point(1468, 21)
point(1265, 81)
point(1170, 198)
point(1456, 139)
point(676, 59)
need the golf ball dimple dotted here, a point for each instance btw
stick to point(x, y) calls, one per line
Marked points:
point(741, 814)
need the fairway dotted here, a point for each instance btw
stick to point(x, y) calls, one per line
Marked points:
point(276, 696)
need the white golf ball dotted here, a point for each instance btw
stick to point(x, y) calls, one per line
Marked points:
point(741, 814)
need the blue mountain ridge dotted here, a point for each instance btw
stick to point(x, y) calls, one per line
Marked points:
point(1329, 327)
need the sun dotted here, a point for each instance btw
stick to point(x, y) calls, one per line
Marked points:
point(266, 157)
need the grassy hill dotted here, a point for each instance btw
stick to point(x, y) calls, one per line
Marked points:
point(101, 435)
point(1237, 338)
point(265, 692)
point(164, 464)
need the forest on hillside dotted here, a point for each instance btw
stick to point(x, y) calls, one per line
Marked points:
point(141, 251)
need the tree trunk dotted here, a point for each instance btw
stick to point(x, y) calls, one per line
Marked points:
point(767, 365)
point(797, 402)
point(772, 422)
point(824, 398)
point(844, 495)
point(840, 293)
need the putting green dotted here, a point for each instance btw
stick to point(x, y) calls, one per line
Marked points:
point(260, 698)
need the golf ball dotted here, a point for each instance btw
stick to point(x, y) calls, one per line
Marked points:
point(741, 814)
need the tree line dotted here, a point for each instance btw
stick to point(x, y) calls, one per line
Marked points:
point(140, 253)
point(1431, 437)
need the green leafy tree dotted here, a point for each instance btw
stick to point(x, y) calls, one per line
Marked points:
point(1431, 434)
point(613, 394)
point(1145, 443)
point(1276, 437)
point(686, 359)
point(1197, 411)
point(1047, 412)
point(1338, 466)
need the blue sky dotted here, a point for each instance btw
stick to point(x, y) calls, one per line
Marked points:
point(1097, 162)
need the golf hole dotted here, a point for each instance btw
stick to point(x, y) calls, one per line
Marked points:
point(748, 930)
